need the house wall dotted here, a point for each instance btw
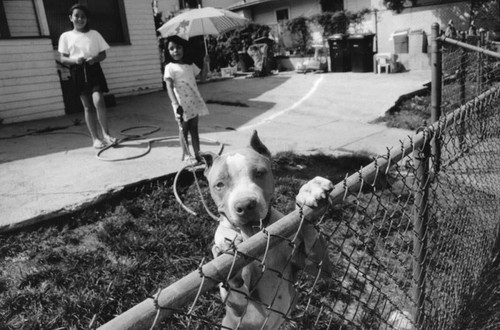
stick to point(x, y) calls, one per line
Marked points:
point(266, 12)
point(135, 68)
point(420, 18)
point(29, 80)
point(29, 84)
point(218, 3)
point(415, 19)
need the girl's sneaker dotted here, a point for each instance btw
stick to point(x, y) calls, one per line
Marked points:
point(98, 144)
point(109, 140)
point(190, 160)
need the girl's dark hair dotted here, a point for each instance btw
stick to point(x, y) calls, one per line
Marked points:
point(82, 8)
point(187, 58)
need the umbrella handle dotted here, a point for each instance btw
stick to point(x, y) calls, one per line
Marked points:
point(207, 63)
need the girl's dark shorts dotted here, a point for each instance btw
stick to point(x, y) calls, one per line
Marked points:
point(89, 78)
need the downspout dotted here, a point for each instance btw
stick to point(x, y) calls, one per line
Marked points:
point(375, 14)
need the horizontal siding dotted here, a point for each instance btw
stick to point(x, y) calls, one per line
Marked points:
point(26, 111)
point(33, 84)
point(29, 87)
point(29, 84)
point(135, 68)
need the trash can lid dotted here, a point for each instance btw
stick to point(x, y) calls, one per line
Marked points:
point(337, 36)
point(361, 36)
point(401, 32)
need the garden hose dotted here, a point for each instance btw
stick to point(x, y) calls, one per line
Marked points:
point(131, 137)
point(192, 167)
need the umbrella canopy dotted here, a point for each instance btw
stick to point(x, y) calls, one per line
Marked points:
point(202, 21)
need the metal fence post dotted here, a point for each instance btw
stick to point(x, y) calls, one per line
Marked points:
point(463, 70)
point(420, 219)
point(436, 88)
point(481, 43)
point(462, 74)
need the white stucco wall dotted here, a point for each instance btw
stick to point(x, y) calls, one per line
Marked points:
point(418, 19)
point(217, 3)
point(415, 19)
point(266, 13)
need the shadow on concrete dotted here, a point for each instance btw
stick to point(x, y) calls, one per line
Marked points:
point(67, 133)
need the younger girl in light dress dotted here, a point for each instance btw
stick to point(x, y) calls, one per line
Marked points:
point(187, 102)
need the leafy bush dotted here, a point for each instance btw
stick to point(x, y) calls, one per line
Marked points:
point(299, 27)
point(339, 21)
point(224, 49)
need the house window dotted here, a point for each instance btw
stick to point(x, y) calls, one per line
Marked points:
point(108, 17)
point(190, 3)
point(13, 17)
point(332, 5)
point(282, 15)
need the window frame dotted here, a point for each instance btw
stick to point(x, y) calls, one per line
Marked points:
point(123, 21)
point(279, 10)
point(41, 21)
point(4, 26)
point(43, 26)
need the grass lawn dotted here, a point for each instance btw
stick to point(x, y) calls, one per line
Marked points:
point(410, 113)
point(105, 260)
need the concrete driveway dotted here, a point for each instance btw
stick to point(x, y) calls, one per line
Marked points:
point(57, 172)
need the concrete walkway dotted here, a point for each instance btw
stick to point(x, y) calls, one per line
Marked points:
point(57, 172)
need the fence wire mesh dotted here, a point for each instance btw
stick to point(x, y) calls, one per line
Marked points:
point(407, 236)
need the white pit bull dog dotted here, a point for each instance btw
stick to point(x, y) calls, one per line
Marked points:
point(242, 186)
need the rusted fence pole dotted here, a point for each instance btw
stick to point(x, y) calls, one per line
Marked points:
point(420, 219)
point(463, 70)
point(436, 89)
point(481, 58)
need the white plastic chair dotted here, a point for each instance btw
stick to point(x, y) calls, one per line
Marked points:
point(383, 61)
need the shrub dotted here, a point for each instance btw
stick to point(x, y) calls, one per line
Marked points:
point(339, 21)
point(299, 27)
point(223, 50)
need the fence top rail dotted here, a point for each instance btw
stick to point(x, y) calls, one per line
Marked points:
point(470, 47)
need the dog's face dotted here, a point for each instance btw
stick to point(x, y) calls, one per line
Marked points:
point(242, 184)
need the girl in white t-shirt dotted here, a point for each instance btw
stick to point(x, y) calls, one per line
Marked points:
point(187, 102)
point(82, 49)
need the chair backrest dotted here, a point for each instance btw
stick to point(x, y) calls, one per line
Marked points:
point(382, 60)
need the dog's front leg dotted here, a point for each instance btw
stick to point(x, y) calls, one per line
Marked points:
point(314, 256)
point(226, 238)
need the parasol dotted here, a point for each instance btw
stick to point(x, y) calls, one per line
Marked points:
point(202, 22)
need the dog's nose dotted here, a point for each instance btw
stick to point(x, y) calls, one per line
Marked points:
point(244, 206)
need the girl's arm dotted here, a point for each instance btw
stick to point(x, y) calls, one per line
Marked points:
point(99, 58)
point(173, 99)
point(71, 61)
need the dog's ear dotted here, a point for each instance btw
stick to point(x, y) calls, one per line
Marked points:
point(208, 159)
point(258, 146)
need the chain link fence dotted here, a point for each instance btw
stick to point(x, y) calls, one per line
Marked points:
point(408, 235)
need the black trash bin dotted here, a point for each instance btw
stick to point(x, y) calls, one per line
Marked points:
point(361, 49)
point(339, 53)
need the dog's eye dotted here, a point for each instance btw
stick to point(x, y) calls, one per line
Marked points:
point(259, 174)
point(219, 185)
